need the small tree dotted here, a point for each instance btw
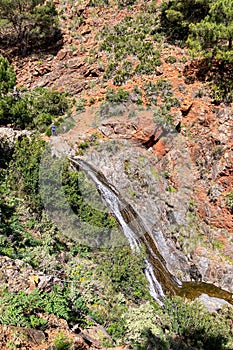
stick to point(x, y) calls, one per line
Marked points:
point(28, 22)
point(212, 37)
point(176, 16)
point(7, 76)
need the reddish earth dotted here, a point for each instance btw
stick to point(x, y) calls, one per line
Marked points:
point(209, 135)
point(69, 70)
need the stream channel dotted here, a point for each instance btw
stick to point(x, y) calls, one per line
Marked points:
point(160, 280)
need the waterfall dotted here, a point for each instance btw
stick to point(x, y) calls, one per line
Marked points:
point(137, 234)
point(120, 209)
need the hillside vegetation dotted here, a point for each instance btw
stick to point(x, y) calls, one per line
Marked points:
point(82, 65)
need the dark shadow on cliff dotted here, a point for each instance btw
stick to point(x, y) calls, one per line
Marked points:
point(217, 72)
point(10, 48)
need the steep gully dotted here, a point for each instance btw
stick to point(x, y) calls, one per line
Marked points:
point(160, 280)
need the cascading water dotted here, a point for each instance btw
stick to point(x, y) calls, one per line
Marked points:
point(156, 272)
point(123, 211)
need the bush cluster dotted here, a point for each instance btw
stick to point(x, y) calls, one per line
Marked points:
point(28, 24)
point(104, 286)
point(179, 325)
point(25, 109)
point(130, 42)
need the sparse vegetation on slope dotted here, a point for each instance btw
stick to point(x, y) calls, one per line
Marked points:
point(56, 274)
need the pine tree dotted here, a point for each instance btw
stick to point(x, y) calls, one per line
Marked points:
point(7, 77)
point(212, 37)
point(28, 23)
point(176, 16)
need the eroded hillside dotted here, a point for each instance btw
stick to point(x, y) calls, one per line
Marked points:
point(145, 115)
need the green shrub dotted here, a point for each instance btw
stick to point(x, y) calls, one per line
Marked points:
point(229, 201)
point(6, 103)
point(195, 324)
point(71, 181)
point(177, 15)
point(24, 170)
point(62, 342)
point(7, 76)
point(32, 24)
point(131, 38)
point(34, 109)
point(22, 309)
point(80, 105)
point(125, 268)
point(178, 325)
point(117, 96)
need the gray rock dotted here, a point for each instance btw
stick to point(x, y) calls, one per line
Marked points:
point(213, 304)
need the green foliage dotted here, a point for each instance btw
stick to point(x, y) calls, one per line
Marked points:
point(62, 342)
point(14, 239)
point(139, 321)
point(132, 38)
point(176, 16)
point(24, 170)
point(193, 322)
point(179, 325)
point(80, 105)
point(206, 25)
point(213, 35)
point(229, 201)
point(71, 181)
point(34, 109)
point(124, 268)
point(22, 309)
point(7, 77)
point(117, 96)
point(162, 90)
point(107, 285)
point(28, 23)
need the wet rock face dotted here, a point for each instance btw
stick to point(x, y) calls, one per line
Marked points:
point(195, 273)
point(162, 188)
point(141, 181)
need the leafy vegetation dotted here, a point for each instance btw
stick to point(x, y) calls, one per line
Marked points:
point(104, 286)
point(229, 201)
point(22, 309)
point(206, 28)
point(29, 24)
point(62, 342)
point(176, 17)
point(179, 325)
point(24, 109)
point(7, 77)
point(213, 35)
point(131, 43)
point(75, 185)
point(24, 170)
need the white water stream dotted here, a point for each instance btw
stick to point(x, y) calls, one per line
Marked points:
point(114, 204)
